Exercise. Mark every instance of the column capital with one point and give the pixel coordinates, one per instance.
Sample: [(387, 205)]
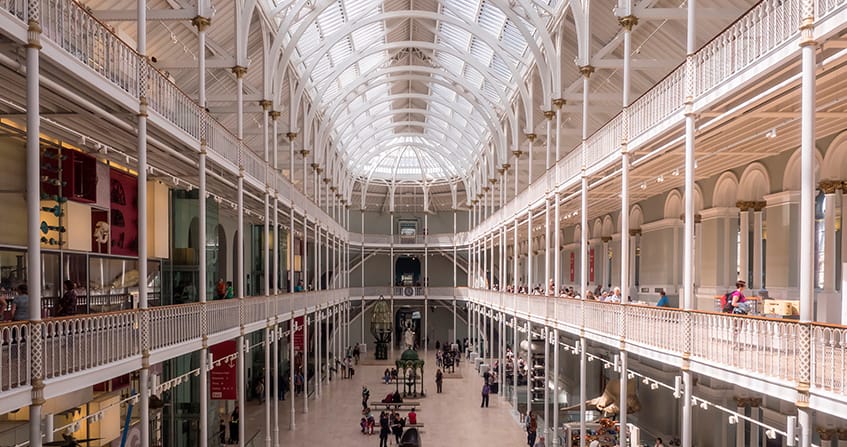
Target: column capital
[(275, 114), (517, 153), (493, 180), (201, 23), (326, 179), (586, 70), (505, 166), (315, 166), (549, 114), (265, 104), (628, 22), (486, 188), (744, 205), (635, 232), (291, 136), (304, 152), (842, 434), (239, 71), (759, 206), (559, 102), (826, 434), (531, 137), (830, 186)]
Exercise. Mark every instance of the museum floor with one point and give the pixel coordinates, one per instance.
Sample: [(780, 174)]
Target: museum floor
[(452, 418)]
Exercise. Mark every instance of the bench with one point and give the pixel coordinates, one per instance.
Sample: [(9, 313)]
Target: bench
[(395, 406)]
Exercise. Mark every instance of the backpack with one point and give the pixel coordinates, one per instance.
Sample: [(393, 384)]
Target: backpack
[(727, 299)]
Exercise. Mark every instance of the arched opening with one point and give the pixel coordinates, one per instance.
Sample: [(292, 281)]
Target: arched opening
[(407, 271)]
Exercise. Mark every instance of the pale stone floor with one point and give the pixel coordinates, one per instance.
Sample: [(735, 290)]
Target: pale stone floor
[(452, 418)]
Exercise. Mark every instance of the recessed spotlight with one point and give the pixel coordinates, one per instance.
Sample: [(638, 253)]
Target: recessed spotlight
[(660, 179), (643, 185)]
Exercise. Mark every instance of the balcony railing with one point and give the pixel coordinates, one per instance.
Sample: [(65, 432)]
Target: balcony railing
[(760, 347), (75, 344)]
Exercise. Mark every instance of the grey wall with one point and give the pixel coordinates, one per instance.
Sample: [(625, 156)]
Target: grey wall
[(380, 223)]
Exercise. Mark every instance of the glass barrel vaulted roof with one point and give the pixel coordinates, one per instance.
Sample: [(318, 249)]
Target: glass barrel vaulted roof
[(411, 89)]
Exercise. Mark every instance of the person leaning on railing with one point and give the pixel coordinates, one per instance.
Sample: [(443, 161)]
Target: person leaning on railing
[(736, 302)]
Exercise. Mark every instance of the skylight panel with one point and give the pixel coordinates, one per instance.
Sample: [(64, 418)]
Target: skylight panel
[(339, 52), (481, 51), (359, 8), (454, 36), (372, 62), (346, 78), (310, 41), (368, 35), (321, 70), (491, 19), (463, 8), (499, 66), (474, 77), (330, 21)]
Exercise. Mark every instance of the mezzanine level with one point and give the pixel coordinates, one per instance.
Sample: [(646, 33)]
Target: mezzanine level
[(759, 354), (81, 351)]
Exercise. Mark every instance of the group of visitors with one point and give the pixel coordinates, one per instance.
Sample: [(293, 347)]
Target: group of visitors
[(224, 290)]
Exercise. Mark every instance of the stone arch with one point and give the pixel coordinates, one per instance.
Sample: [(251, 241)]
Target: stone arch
[(791, 176), (834, 165), (598, 228), (726, 191), (608, 226), (673, 205), (636, 217), (755, 183)]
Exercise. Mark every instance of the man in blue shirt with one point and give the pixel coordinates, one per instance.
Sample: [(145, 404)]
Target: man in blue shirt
[(663, 300)]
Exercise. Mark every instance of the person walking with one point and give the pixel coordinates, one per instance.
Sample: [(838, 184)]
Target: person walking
[(531, 428), (486, 390), (439, 378), (384, 429), (233, 426), (366, 395)]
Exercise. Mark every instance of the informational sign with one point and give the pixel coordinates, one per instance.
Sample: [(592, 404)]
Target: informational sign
[(591, 265), (223, 377), (573, 266), (299, 335)]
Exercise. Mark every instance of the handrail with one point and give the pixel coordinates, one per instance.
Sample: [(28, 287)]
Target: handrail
[(75, 344), (770, 346)]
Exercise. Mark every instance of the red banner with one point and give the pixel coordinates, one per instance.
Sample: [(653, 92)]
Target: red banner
[(299, 335), (573, 266), (223, 377), (591, 265)]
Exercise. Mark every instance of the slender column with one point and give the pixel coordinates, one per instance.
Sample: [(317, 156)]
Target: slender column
[(240, 383), (318, 358), (391, 279), (455, 282), (758, 247), (33, 188), (277, 375), (305, 363), (204, 352), (555, 380), (529, 277), (528, 366), (583, 391), (741, 408), (583, 209), (292, 325), (546, 385), (808, 47), (547, 251), (268, 377), (144, 374), (517, 355), (304, 258), (755, 414), (515, 255), (744, 239), (688, 233), (517, 153), (530, 138), (829, 189), (426, 287), (557, 243), (549, 114)]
